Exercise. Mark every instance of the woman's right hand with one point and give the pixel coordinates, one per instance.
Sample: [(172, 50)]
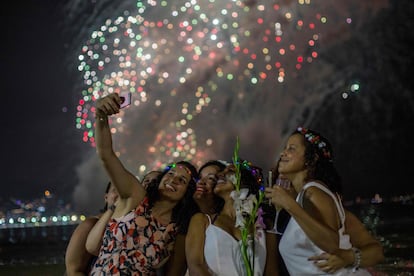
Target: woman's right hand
[(108, 105), (279, 196)]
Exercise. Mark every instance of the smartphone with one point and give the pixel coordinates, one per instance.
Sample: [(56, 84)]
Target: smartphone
[(126, 98)]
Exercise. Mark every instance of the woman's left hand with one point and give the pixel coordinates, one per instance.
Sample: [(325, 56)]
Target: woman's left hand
[(327, 262)]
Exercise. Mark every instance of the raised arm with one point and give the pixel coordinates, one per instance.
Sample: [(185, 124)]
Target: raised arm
[(94, 239), (130, 190)]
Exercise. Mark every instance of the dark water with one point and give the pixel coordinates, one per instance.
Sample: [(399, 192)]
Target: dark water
[(34, 250), (393, 225), (41, 250)]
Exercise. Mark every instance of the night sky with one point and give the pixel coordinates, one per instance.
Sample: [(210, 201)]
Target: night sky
[(39, 142), (370, 128)]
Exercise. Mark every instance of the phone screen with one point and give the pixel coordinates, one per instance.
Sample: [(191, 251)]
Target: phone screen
[(126, 97)]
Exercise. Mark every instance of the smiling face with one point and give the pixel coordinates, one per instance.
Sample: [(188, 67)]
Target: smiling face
[(175, 182), (226, 180), (292, 159), (207, 182)]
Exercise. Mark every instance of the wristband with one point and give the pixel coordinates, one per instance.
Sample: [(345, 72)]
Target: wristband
[(357, 259), (101, 118)]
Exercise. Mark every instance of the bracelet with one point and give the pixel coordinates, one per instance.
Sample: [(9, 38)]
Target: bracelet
[(357, 259), (102, 119)]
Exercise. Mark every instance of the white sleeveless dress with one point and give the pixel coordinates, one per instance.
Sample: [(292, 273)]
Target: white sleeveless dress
[(223, 255), (295, 247)]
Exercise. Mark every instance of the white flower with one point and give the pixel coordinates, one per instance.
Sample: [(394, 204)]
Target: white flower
[(232, 178), (243, 193), (239, 195), (248, 204), (243, 205)]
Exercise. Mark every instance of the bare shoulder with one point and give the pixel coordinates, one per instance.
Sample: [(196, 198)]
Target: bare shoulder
[(199, 220), (315, 195), (199, 217), (317, 201), (322, 206)]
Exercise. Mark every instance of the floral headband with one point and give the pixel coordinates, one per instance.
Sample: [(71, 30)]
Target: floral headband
[(254, 171), (317, 141), (175, 165)]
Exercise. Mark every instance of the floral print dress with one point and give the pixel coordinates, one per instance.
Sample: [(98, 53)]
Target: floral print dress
[(134, 244)]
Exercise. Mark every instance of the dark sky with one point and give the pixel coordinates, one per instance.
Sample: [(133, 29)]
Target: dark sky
[(38, 137), (42, 149)]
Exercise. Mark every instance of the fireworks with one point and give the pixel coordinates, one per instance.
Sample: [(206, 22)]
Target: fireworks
[(188, 61)]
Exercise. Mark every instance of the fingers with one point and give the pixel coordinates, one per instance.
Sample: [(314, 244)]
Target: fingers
[(268, 193), (322, 256), (109, 105), (273, 193), (315, 258), (321, 263), (325, 262), (328, 269)]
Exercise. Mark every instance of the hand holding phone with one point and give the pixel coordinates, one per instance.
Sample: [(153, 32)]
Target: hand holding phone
[(126, 98)]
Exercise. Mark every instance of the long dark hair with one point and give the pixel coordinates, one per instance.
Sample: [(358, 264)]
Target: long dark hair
[(251, 176), (186, 207)]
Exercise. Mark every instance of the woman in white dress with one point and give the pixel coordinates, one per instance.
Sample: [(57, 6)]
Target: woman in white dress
[(317, 223), (213, 242)]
